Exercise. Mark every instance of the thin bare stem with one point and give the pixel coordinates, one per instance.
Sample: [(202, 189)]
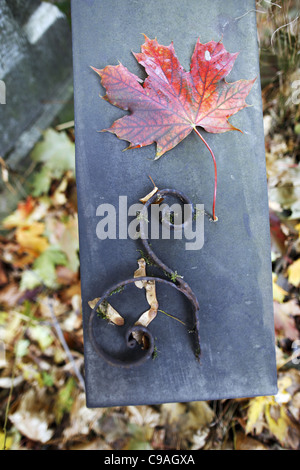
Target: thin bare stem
[(216, 177), (8, 405), (64, 344), (283, 26), (172, 316)]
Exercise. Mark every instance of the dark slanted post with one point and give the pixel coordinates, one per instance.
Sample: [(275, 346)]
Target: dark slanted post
[(174, 231)]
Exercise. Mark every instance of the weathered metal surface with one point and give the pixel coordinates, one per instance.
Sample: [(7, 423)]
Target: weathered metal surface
[(231, 274)]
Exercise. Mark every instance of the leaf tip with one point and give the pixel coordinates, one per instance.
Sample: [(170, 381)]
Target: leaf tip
[(145, 37), (98, 71)]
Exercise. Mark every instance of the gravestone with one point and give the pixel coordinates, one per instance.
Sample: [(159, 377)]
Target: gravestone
[(231, 274), (35, 73)]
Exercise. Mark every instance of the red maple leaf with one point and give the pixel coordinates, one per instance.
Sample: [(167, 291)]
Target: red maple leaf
[(171, 102)]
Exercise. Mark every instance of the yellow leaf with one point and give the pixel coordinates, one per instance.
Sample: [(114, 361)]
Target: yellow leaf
[(278, 427), (294, 273), (29, 211), (278, 293), (8, 442), (30, 237), (20, 215), (255, 414)]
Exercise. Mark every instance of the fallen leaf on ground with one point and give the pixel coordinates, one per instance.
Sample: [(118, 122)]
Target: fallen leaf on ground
[(279, 294), (255, 416), (143, 416), (31, 237), (272, 413), (3, 275), (44, 269), (42, 334), (57, 153), (82, 418), (248, 443), (278, 422), (29, 211), (32, 418), (294, 273), (20, 215), (191, 420), (65, 400), (64, 234), (10, 295), (284, 321)]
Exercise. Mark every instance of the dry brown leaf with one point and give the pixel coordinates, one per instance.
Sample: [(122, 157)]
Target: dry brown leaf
[(32, 418), (17, 256), (81, 418), (95, 444), (66, 295), (47, 305), (284, 322), (31, 237), (248, 443), (199, 438), (59, 196), (143, 416), (3, 275), (65, 276), (294, 407), (188, 419), (10, 295)]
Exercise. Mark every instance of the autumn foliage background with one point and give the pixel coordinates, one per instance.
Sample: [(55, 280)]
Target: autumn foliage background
[(42, 400)]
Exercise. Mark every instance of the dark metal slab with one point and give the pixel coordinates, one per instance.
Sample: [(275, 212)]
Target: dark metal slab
[(231, 274)]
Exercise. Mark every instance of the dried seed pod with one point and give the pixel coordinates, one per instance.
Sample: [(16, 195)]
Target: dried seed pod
[(108, 312)]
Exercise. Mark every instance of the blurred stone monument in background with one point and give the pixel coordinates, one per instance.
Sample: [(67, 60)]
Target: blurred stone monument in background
[(35, 74)]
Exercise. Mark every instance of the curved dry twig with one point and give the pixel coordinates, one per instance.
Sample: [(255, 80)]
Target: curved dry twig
[(179, 284)]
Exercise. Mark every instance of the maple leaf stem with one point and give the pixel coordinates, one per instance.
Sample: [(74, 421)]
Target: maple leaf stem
[(216, 176)]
